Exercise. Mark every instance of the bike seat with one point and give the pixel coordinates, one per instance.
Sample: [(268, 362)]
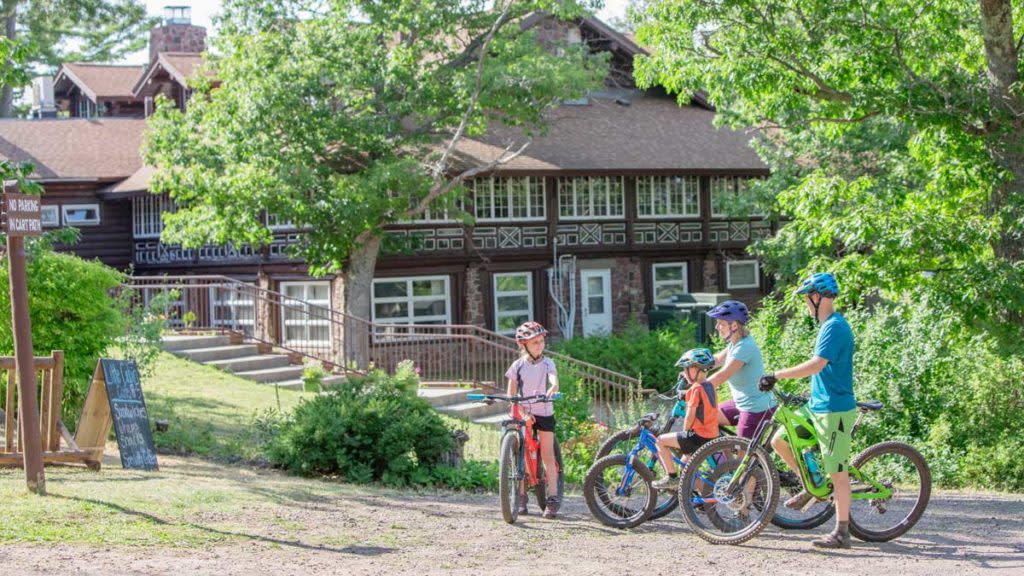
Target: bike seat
[(648, 418), (870, 405)]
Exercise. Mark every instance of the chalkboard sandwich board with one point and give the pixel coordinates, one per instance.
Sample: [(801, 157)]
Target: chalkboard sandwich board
[(115, 396)]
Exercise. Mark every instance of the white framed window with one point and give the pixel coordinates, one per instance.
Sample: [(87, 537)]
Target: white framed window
[(669, 279), (81, 214), (667, 196), (730, 194), (412, 300), (50, 216), (305, 313), (513, 301), (234, 308), (591, 197), (498, 198), (147, 214), (742, 274)]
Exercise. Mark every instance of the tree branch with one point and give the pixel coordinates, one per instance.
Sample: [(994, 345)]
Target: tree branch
[(440, 190), (439, 168)]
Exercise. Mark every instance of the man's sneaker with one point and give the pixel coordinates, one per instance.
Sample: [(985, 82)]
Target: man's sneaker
[(833, 539), (800, 501), (551, 510), (523, 510), (666, 483)]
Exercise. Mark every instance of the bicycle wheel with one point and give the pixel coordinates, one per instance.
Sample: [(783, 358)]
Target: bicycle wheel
[(790, 519), (900, 468), (712, 512), (618, 495), (541, 489), (621, 443), (509, 476)]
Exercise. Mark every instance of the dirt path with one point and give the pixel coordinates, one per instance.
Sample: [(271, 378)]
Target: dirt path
[(308, 527)]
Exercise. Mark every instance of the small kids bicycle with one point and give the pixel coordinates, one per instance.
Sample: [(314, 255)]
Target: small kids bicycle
[(890, 481), (519, 460)]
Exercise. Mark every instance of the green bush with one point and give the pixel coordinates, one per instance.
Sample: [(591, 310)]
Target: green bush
[(958, 398), (649, 355), (71, 310), (374, 428)]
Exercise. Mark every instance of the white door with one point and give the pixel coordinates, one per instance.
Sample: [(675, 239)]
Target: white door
[(597, 301)]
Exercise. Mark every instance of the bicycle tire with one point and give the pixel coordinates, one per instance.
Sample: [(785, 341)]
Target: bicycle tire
[(541, 489), (667, 499), (508, 472), (916, 512), (687, 478), (594, 490)]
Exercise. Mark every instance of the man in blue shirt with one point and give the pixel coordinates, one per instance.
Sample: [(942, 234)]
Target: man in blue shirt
[(832, 408)]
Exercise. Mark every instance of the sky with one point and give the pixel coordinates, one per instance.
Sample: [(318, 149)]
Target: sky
[(203, 12)]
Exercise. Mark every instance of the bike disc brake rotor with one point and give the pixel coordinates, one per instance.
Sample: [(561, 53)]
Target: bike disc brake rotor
[(733, 503)]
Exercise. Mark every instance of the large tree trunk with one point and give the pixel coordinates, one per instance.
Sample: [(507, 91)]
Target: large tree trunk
[(357, 280), (1006, 143), (7, 97)]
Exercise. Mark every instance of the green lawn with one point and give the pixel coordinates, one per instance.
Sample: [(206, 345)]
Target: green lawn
[(211, 413)]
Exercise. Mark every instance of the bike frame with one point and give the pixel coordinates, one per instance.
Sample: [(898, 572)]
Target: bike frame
[(791, 420)]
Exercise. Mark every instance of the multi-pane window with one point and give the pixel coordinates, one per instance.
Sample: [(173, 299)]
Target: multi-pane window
[(275, 222), (305, 313), (513, 301), (147, 211), (742, 274), (667, 196), (81, 214), (415, 300), (730, 195), (670, 279), (591, 197), (234, 308), (498, 198)]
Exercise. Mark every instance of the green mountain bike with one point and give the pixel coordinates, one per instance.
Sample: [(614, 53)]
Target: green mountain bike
[(890, 481)]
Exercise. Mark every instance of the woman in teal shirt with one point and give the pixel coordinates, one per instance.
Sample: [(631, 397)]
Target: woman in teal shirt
[(742, 366)]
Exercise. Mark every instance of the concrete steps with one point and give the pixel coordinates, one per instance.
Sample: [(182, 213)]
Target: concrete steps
[(246, 361), (454, 402), (243, 360)]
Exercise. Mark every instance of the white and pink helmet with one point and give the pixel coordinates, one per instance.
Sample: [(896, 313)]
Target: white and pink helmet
[(528, 331)]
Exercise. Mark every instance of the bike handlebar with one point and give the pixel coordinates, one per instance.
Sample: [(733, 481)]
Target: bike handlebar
[(791, 399), (514, 399)]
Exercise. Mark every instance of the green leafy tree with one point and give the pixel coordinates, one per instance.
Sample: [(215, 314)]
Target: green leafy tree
[(56, 31), (345, 117), (895, 131)]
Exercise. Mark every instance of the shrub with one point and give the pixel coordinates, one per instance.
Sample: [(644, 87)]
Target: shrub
[(374, 428), (649, 355), (71, 310)]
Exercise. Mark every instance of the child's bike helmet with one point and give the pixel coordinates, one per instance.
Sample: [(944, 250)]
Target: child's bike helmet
[(700, 357), (528, 331)]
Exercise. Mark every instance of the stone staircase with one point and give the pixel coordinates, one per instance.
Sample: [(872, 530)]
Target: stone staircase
[(242, 360), (247, 361)]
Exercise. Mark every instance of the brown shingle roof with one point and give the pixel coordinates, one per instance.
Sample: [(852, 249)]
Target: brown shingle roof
[(181, 66), (652, 133), (137, 182), (100, 80), (80, 149)]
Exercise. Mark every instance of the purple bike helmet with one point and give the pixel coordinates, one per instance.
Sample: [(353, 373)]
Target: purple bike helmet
[(731, 310)]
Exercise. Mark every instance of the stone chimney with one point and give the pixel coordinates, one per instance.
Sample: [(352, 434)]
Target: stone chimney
[(176, 34)]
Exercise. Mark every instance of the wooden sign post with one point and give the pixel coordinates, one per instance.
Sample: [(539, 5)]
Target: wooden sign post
[(21, 216)]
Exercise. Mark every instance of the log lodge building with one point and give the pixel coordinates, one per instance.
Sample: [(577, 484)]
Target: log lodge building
[(632, 184)]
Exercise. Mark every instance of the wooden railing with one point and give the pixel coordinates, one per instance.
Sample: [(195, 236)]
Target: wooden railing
[(50, 374), (441, 353)]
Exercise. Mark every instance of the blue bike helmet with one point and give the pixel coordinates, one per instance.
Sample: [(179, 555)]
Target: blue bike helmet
[(700, 357), (731, 310), (821, 283)]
